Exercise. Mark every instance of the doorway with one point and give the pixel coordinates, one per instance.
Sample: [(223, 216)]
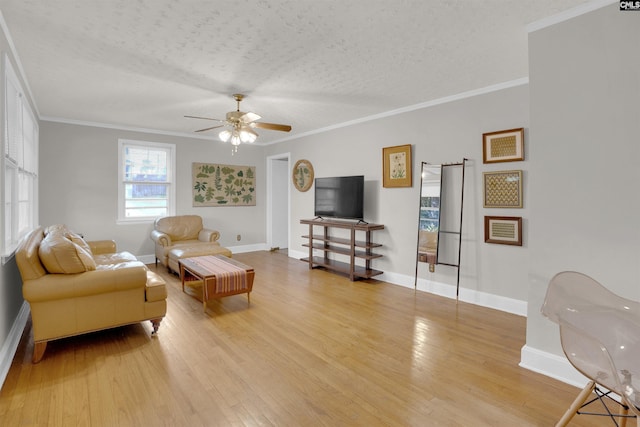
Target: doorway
[(278, 201)]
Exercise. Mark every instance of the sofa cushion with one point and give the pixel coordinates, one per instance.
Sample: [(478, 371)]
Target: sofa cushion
[(56, 229), (27, 256), (114, 258), (59, 254), (78, 240)]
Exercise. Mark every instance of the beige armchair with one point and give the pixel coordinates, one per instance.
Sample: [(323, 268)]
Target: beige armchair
[(74, 287), (183, 235)]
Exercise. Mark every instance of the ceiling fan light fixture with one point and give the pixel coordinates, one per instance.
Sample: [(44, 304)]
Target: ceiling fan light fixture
[(247, 135), (225, 135), (241, 126)]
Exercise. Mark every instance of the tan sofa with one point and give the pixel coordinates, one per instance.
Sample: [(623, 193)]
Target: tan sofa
[(74, 287), (182, 236)]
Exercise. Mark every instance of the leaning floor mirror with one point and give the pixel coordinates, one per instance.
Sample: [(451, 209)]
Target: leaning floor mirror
[(440, 216)]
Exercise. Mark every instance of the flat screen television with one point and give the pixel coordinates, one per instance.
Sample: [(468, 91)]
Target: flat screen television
[(340, 197)]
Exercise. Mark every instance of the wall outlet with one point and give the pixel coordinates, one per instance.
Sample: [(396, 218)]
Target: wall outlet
[(238, 237)]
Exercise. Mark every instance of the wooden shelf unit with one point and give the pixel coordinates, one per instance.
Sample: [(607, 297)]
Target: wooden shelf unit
[(350, 247)]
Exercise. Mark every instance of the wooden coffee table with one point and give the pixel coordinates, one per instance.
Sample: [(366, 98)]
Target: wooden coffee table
[(235, 277)]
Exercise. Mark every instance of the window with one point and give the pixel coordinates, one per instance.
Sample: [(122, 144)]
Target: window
[(146, 187), (20, 166)]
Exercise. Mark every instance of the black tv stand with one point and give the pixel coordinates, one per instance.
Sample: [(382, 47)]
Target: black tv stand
[(343, 246)]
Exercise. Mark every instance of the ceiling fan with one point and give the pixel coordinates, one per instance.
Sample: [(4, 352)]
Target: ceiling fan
[(241, 125)]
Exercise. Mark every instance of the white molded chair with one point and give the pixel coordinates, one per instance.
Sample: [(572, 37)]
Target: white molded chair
[(600, 335)]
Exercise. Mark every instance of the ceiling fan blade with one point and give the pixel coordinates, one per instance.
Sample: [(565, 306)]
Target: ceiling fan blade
[(204, 118), (212, 127), (271, 126), (249, 117)]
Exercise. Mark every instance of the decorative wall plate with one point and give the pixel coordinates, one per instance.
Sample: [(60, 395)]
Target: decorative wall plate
[(302, 175)]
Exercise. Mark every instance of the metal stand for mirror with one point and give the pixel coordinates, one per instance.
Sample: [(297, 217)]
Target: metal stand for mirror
[(457, 232)]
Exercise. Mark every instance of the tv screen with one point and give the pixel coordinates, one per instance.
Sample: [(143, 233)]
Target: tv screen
[(340, 197)]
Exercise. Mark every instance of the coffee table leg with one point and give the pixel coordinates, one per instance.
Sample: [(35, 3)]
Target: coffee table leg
[(204, 295), (182, 276), (248, 298)]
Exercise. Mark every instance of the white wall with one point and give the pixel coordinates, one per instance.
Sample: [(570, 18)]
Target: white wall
[(585, 99), (442, 133), (78, 185)]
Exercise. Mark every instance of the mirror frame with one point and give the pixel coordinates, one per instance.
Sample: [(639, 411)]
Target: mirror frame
[(426, 256)]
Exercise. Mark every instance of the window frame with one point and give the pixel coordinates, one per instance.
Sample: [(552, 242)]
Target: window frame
[(19, 167), (170, 182)]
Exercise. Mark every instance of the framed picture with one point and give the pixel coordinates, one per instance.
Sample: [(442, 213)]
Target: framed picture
[(503, 146), (506, 230), (302, 175), (503, 189), (223, 185), (396, 166)]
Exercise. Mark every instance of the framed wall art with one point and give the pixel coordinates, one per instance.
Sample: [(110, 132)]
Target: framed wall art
[(223, 185), (302, 175), (503, 189), (503, 146), (505, 230), (396, 166)]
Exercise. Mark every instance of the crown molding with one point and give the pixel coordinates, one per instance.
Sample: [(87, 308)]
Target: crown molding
[(568, 14), (427, 104)]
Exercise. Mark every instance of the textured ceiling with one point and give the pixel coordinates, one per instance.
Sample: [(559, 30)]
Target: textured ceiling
[(310, 64)]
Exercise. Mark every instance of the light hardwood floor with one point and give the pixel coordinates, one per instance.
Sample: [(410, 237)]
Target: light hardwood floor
[(313, 349)]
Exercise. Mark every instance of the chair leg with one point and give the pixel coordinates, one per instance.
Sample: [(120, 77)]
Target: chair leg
[(577, 403), (624, 413), (156, 326), (38, 351)]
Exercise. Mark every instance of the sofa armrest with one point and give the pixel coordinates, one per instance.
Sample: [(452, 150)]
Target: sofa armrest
[(129, 275), (207, 235), (161, 238), (99, 247)]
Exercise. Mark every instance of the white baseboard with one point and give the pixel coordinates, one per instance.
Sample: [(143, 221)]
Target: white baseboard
[(551, 365), (297, 254), (248, 248), (470, 296), (482, 299), (497, 302), (8, 350)]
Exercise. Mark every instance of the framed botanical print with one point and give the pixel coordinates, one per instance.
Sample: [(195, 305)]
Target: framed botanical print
[(396, 166), (223, 185)]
